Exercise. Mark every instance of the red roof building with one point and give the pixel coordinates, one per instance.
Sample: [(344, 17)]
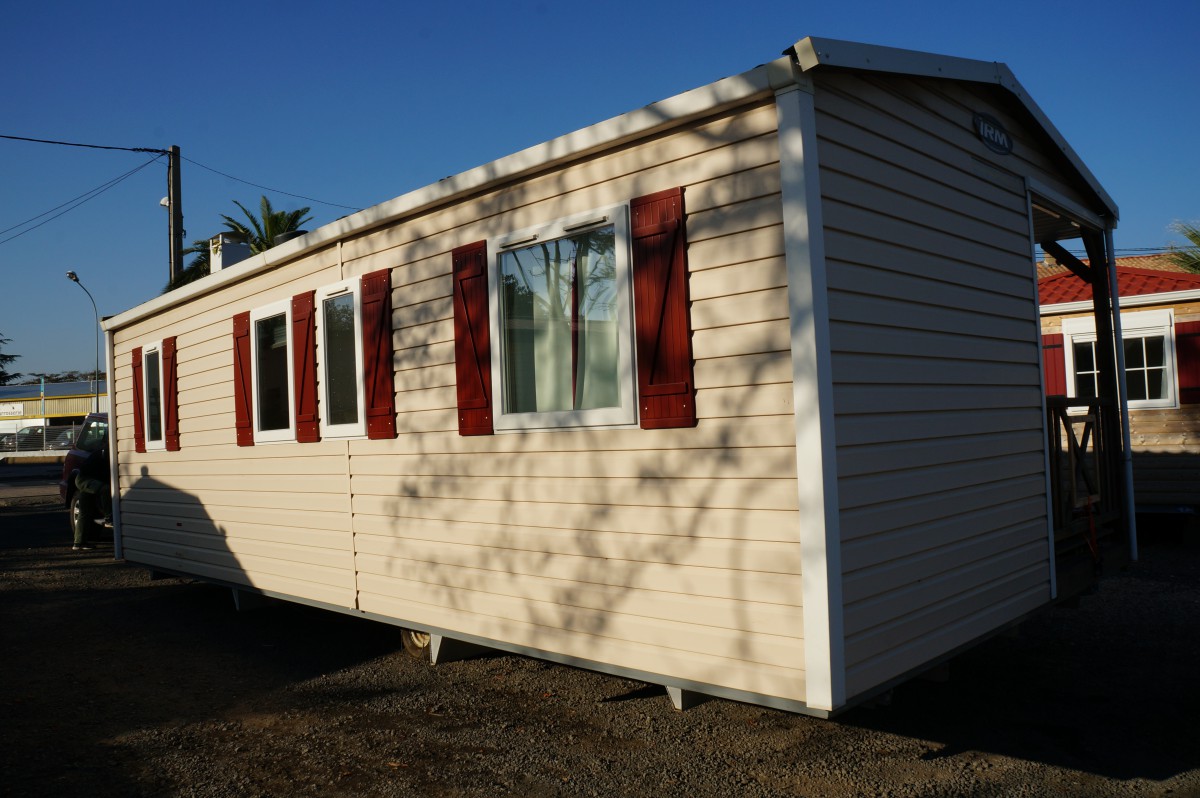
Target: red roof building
[(1160, 319), (1131, 281)]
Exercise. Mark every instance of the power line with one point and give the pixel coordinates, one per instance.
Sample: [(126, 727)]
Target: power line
[(160, 152), (88, 146), (268, 188), (75, 203), (68, 202), (189, 160)]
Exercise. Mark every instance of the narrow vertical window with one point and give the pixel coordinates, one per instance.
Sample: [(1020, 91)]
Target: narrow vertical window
[(341, 387), (270, 348), (151, 409), (153, 372), (1085, 369), (270, 341), (339, 325)]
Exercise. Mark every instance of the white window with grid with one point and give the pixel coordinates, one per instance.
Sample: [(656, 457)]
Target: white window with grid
[(1149, 348)]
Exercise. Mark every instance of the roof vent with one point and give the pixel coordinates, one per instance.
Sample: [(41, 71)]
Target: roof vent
[(226, 249)]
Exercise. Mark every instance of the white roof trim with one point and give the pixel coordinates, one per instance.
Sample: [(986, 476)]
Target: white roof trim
[(814, 52), (1136, 301), (671, 112), (1048, 195), (730, 92)]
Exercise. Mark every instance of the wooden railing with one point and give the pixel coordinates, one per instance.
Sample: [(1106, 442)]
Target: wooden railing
[(1084, 486)]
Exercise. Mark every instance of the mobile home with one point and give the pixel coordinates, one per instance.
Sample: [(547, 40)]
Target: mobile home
[(740, 393)]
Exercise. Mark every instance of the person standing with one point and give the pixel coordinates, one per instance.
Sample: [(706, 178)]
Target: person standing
[(95, 502)]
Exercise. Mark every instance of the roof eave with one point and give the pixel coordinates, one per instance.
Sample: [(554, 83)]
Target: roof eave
[(1130, 301), (815, 52), (674, 111)]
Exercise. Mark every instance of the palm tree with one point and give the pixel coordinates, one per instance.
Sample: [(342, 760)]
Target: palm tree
[(199, 267), (267, 226), (262, 234), (1188, 257)]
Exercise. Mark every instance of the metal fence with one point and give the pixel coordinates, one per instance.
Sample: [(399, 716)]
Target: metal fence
[(39, 439)]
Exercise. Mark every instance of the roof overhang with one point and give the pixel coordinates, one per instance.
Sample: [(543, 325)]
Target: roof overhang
[(758, 83), (814, 53), (1134, 301)]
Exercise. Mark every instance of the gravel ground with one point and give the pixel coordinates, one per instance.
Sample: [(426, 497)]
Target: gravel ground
[(112, 684)]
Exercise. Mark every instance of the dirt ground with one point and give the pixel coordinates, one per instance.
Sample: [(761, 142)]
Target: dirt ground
[(112, 684)]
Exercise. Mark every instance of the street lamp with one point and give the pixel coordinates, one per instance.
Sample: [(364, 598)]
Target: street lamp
[(73, 277)]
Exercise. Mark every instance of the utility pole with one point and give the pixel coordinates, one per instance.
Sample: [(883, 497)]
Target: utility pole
[(175, 200)]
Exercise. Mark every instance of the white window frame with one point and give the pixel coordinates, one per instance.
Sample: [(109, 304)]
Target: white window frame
[(358, 429), (625, 415), (266, 311), (1146, 324), (155, 347)]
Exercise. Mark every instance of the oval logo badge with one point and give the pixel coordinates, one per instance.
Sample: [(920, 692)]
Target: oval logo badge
[(992, 134)]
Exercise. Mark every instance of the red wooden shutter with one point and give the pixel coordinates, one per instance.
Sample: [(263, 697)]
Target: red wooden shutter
[(243, 411), (379, 373), (1187, 361), (304, 368), (1054, 364), (139, 403), (666, 388), (472, 340), (170, 389)]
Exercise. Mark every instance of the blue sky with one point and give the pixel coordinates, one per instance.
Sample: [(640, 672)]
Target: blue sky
[(359, 102)]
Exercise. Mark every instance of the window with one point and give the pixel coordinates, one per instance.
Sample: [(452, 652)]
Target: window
[(1148, 340), (93, 435), (152, 409), (271, 359), (561, 302), (155, 397), (319, 364), (562, 321), (340, 359), (1146, 368)]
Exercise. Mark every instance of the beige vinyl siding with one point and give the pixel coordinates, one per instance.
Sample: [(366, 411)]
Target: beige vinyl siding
[(937, 399), (272, 517), (663, 551)]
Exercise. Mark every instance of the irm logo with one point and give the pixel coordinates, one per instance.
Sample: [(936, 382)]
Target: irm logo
[(992, 134)]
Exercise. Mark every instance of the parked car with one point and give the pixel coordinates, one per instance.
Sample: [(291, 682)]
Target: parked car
[(93, 435), (65, 439), (35, 438)]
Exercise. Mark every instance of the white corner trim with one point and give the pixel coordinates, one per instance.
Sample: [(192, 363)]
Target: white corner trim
[(812, 396), (1052, 559), (114, 474)]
